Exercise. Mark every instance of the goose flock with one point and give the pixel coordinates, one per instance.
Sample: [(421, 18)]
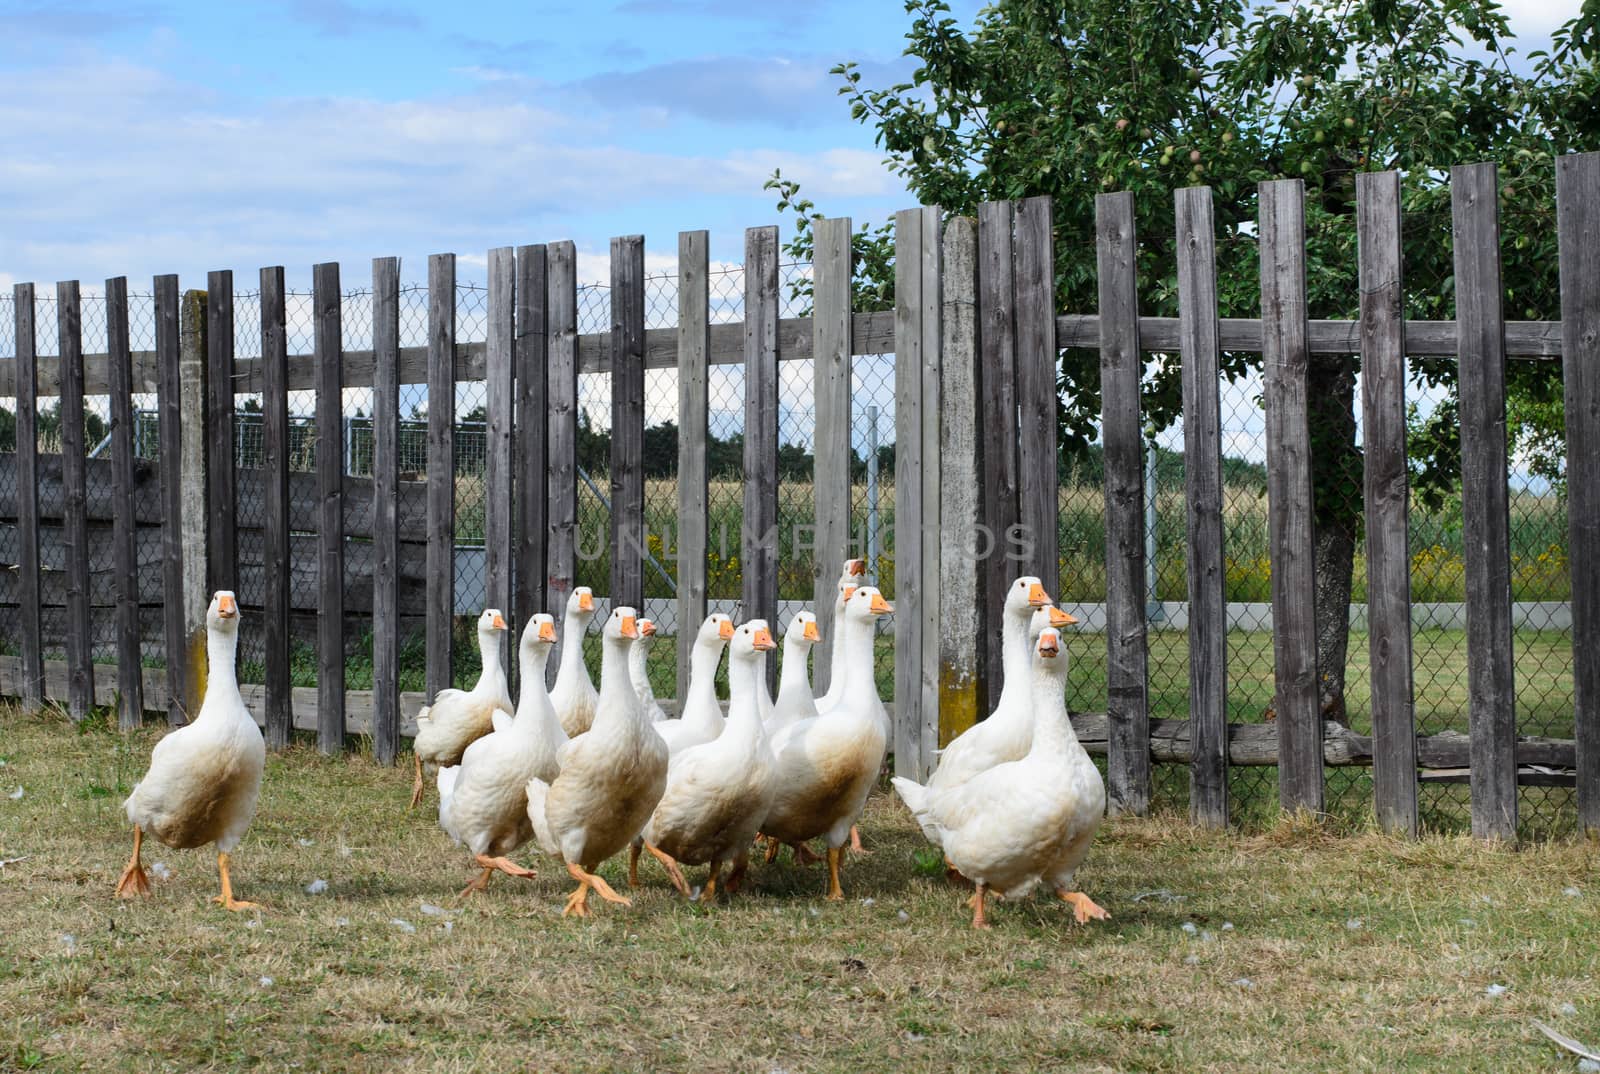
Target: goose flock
[(586, 772)]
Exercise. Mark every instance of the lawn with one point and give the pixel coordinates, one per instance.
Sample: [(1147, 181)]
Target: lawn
[(1293, 948)]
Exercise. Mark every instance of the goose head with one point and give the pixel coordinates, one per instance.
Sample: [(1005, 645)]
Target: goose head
[(802, 630), (716, 631), (540, 631), (647, 634), (751, 640), (580, 605), (490, 623), (622, 625), (1026, 595), (222, 614), (866, 604), (1050, 656), (1048, 616)]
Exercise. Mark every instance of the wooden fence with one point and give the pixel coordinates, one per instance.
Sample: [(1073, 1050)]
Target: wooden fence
[(976, 338)]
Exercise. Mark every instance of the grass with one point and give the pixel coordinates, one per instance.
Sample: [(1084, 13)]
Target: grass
[(1346, 949)]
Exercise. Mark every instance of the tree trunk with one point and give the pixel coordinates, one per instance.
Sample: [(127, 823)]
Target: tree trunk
[(1336, 512)]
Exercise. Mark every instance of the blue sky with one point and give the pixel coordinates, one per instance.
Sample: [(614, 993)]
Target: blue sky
[(145, 137)]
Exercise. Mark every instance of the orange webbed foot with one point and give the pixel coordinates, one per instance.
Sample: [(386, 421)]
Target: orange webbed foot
[(1084, 909), (133, 883)]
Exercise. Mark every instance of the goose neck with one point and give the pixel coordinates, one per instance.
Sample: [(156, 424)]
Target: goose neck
[(744, 717), (1052, 728), (531, 665), (221, 656)]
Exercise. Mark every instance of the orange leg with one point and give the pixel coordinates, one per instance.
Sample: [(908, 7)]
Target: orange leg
[(633, 862), (772, 849), (578, 903), (709, 892), (1084, 909), (133, 881), (803, 854), (736, 877), (979, 897), (855, 841), (835, 892), (479, 882), (490, 866), (226, 899), (674, 873), (416, 786)]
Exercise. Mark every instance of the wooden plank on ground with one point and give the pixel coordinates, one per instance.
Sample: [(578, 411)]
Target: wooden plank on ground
[(1485, 500), (961, 695), (1386, 495), (385, 509), (130, 698), (329, 340), (1127, 670), (532, 436), (1285, 358), (831, 376), (1578, 223), (627, 421), (441, 468), (194, 372), (694, 342), (1202, 449), (563, 411), (1037, 359), (170, 404), (997, 388), (498, 370), (909, 285), (80, 655), (760, 537), (222, 550), (31, 673), (278, 716)]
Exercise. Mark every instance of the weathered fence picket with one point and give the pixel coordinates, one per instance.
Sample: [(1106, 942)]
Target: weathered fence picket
[(759, 541), (279, 715), (1203, 494), (75, 514), (997, 388), (499, 362), (627, 421), (130, 678), (385, 509), (832, 373), (532, 435), (222, 541), (31, 678), (563, 410), (328, 338), (441, 470), (170, 403), (694, 342), (1037, 359), (1383, 410), (1578, 220)]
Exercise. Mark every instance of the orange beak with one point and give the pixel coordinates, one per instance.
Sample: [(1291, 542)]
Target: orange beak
[(1037, 597), (881, 606), (1048, 648), (227, 607), (849, 591), (547, 632), (630, 628), (586, 602), (499, 622), (810, 632), (1060, 618), (764, 640), (725, 630), (647, 628), (856, 567)]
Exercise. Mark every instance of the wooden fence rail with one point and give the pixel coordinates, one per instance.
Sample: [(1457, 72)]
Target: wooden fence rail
[(975, 337)]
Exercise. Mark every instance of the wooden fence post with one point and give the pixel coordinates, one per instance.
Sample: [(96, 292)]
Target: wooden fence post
[(563, 410), (32, 673), (532, 443), (275, 548), (124, 527), (832, 373), (441, 469), (329, 347), (385, 509), (169, 394), (80, 642), (1202, 448), (1038, 483), (760, 537), (1285, 354), (1485, 500), (1386, 493), (694, 345), (916, 331), (1127, 671), (222, 547), (627, 422), (958, 666), (1578, 220), (195, 490), (499, 361), (997, 388)]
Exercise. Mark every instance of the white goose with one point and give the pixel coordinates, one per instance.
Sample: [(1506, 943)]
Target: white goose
[(850, 577), (1029, 820), (610, 780), (458, 718), (795, 700), (573, 694), (483, 801), (719, 791), (204, 779), (700, 719), (1008, 732), (826, 765), (639, 673)]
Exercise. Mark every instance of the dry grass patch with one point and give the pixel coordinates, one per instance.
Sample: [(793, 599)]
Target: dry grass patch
[(1292, 949)]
